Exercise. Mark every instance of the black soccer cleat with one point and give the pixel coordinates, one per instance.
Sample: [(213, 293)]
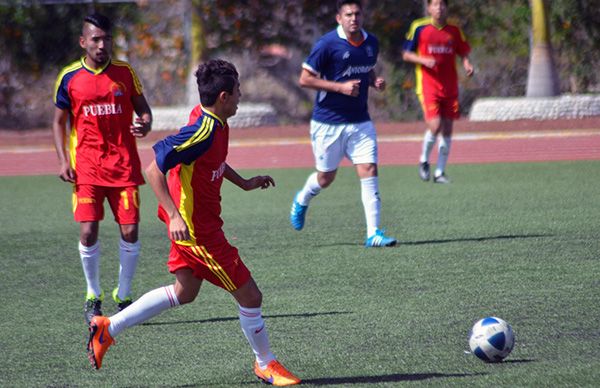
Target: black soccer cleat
[(92, 308), (441, 179), (424, 171)]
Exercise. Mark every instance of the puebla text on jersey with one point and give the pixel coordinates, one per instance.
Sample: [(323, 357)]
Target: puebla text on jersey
[(334, 58), (442, 44), (195, 159), (102, 149)]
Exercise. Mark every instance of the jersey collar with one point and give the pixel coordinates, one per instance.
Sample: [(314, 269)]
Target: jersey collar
[(211, 114), (438, 26), (95, 71), (342, 34)]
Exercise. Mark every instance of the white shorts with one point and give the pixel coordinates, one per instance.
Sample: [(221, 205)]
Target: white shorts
[(330, 143)]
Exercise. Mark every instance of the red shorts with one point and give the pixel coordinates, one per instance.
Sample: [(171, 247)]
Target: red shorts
[(435, 106), (219, 263), (88, 203)]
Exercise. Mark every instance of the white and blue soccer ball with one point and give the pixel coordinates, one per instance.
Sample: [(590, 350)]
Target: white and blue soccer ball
[(491, 339)]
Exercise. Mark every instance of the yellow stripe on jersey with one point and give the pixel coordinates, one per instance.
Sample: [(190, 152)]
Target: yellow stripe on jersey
[(201, 134), (410, 35), (73, 141), (136, 80), (186, 208), (67, 69), (215, 267)]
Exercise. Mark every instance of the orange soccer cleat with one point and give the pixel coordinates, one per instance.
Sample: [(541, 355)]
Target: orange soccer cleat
[(275, 374), (99, 341)]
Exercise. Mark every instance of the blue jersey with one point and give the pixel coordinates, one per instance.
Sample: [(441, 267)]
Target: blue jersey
[(335, 59)]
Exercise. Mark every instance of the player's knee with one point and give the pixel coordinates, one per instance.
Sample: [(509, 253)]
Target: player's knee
[(129, 233), (186, 297), (326, 179)]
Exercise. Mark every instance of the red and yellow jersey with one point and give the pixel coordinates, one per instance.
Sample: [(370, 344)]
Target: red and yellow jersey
[(443, 44), (103, 151), (195, 161)]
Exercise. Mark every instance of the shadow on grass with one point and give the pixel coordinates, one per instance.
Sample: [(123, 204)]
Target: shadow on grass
[(392, 378), (226, 319), (446, 241), (521, 361), (476, 239)]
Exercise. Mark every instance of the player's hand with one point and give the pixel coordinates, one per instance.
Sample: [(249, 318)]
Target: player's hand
[(469, 69), (67, 174), (379, 84), (350, 88), (140, 128), (178, 230), (428, 62), (262, 181)]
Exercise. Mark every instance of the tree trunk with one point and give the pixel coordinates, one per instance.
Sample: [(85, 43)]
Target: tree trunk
[(542, 80)]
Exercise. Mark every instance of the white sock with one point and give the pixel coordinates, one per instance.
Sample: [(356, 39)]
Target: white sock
[(149, 305), (371, 203), (428, 142), (444, 152), (309, 191), (90, 261), (253, 326), (128, 256)]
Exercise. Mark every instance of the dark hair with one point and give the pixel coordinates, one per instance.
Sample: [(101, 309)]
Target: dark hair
[(99, 21), (445, 1), (341, 3), (213, 77)]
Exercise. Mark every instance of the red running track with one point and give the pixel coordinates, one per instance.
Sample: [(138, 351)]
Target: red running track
[(484, 147)]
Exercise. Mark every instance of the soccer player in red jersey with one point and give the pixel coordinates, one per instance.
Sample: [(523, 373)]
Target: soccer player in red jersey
[(97, 96), (433, 44), (190, 205)]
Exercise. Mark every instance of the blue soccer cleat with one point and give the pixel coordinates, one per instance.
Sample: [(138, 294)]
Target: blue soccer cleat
[(380, 240), (297, 214)]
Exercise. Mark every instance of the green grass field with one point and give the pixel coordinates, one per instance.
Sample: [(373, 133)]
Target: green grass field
[(519, 241)]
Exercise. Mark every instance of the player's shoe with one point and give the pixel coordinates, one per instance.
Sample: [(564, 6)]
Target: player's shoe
[(92, 307), (379, 239), (441, 179), (121, 303), (99, 341), (297, 214), (424, 171), (275, 374)]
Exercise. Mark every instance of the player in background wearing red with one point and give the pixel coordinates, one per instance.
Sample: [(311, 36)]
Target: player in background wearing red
[(190, 205), (97, 96), (433, 44)]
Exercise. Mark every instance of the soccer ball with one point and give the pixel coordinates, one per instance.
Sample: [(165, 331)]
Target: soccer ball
[(491, 339)]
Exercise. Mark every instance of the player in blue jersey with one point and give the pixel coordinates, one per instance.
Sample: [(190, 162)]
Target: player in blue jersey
[(341, 68)]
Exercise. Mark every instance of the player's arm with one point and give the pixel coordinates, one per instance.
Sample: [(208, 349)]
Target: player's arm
[(178, 229), (143, 123), (59, 130), (312, 81), (262, 181), (411, 56)]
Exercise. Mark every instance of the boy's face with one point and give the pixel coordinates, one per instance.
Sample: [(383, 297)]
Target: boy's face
[(350, 18), (97, 44), (232, 101), (438, 10)]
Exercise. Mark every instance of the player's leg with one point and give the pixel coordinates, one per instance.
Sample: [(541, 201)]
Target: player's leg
[(124, 203), (88, 210), (103, 330), (443, 151), (266, 366), (361, 149), (328, 152), (449, 112), (431, 112)]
